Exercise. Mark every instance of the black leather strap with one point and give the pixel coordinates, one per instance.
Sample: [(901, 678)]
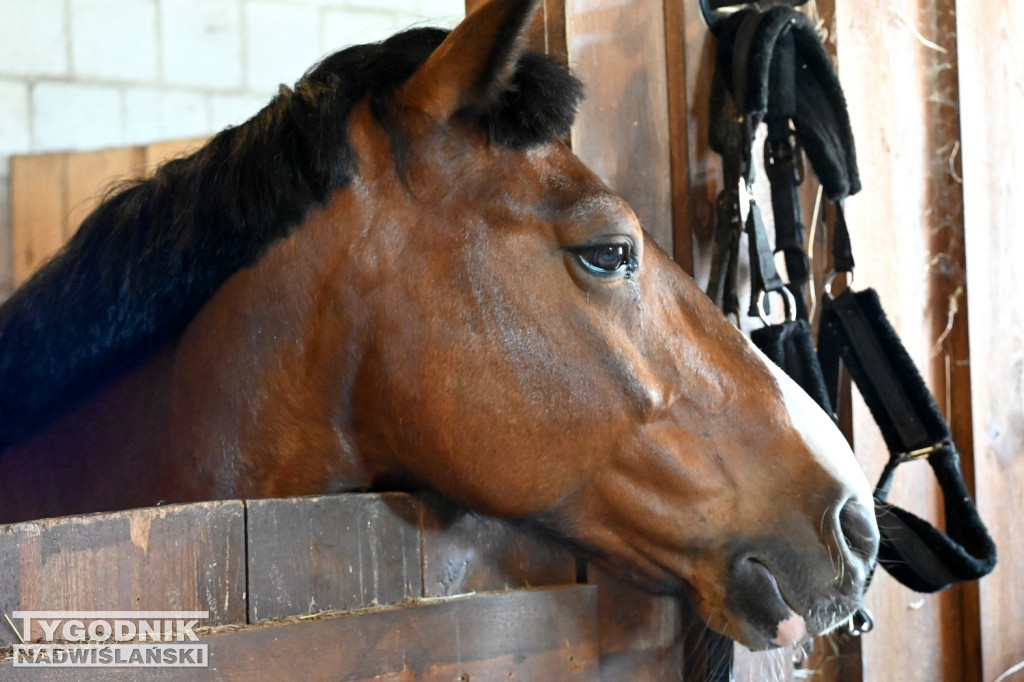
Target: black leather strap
[(912, 550)]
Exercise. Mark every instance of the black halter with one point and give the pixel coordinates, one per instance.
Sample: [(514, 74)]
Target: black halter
[(771, 67)]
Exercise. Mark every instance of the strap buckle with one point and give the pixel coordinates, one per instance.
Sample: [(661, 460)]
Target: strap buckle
[(920, 453)]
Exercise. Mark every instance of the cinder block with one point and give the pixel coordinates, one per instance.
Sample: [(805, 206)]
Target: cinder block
[(33, 39), (14, 118), (403, 7), (114, 39), (202, 43), (451, 11), (151, 115), (282, 41), (230, 110), (69, 116), (342, 28)]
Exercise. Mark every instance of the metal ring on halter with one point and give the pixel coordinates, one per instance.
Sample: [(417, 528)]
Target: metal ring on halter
[(787, 295), (831, 277), (860, 621)]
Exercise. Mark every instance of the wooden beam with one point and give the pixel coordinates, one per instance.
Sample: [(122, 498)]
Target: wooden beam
[(309, 554), (992, 152), (622, 130), (465, 553), (174, 558), (524, 635)]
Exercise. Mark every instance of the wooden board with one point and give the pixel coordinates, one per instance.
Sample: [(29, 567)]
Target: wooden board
[(622, 131), (465, 553), (905, 225), (991, 101), (90, 175), (309, 554), (52, 193), (173, 558), (640, 635), (524, 635), (38, 210)]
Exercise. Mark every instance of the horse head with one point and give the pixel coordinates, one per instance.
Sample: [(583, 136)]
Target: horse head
[(535, 355), (418, 282)]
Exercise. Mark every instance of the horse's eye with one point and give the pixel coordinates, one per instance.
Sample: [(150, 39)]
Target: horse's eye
[(605, 259)]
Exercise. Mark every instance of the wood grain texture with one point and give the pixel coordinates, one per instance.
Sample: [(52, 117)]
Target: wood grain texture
[(992, 103), (90, 175), (617, 49), (544, 635), (38, 210), (179, 557), (903, 112), (309, 554), (640, 635), (465, 553)]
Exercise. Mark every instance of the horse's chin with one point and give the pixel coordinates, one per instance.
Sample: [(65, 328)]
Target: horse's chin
[(761, 611)]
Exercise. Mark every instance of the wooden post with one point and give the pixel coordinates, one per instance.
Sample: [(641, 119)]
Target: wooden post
[(991, 62)]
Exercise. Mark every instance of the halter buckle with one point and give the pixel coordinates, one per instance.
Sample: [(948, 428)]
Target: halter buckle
[(920, 453)]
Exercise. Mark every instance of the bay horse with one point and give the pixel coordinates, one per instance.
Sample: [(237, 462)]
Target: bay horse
[(397, 275)]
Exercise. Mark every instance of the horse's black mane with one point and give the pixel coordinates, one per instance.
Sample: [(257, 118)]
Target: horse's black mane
[(145, 261)]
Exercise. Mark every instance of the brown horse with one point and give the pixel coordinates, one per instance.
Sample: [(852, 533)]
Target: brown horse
[(396, 274)]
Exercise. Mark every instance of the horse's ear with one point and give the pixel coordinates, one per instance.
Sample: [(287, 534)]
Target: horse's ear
[(473, 65)]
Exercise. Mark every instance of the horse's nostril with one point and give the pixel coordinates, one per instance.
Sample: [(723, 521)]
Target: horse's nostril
[(857, 525)]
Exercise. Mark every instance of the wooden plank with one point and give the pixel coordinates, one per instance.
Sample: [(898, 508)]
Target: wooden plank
[(310, 554), (38, 210), (903, 110), (464, 553), (640, 635), (991, 63), (677, 56), (159, 152), (695, 189), (91, 174), (524, 635), (178, 557), (622, 131)]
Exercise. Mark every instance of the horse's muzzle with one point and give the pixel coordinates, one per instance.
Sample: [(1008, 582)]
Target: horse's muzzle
[(783, 589)]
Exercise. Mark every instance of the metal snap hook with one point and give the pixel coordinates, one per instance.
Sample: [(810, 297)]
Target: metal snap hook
[(790, 305)]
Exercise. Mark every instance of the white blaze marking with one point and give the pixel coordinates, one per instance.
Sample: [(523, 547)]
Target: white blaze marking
[(823, 437)]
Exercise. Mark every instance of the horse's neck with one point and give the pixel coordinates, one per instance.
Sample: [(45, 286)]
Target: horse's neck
[(253, 400), (268, 369), (105, 454)]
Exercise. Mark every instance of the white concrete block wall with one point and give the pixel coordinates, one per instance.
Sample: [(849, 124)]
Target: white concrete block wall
[(88, 74)]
